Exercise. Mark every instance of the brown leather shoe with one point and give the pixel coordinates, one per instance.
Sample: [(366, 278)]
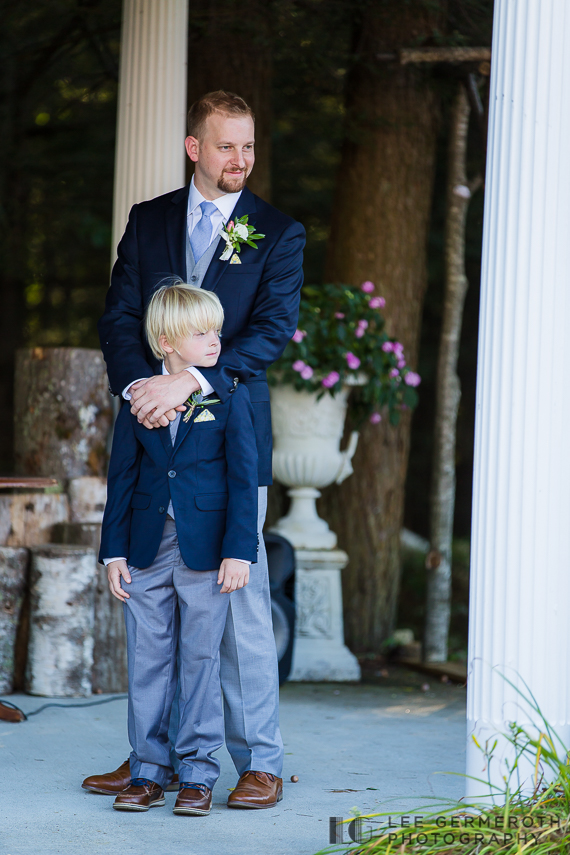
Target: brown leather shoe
[(193, 800), (113, 783), (141, 795), (256, 790)]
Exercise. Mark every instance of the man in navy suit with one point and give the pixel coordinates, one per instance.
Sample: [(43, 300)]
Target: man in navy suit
[(182, 510), (178, 234)]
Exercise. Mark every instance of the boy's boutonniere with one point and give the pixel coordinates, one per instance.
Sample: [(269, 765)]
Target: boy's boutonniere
[(234, 235), (198, 400)]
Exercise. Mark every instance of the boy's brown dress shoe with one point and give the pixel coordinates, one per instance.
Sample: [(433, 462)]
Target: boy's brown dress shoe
[(193, 800), (256, 790), (141, 795), (113, 783)]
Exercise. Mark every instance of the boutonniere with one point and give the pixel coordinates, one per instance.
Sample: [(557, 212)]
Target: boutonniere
[(198, 400), (234, 235)]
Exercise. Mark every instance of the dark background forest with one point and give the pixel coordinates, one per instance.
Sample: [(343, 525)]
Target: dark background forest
[(304, 65)]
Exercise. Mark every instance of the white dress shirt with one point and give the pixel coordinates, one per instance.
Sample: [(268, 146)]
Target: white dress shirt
[(225, 205), (107, 561)]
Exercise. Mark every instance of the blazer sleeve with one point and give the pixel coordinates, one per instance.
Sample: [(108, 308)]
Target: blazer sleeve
[(240, 539), (120, 328), (273, 319), (123, 475)]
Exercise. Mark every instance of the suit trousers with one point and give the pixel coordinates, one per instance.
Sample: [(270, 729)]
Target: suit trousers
[(175, 612), (249, 672)]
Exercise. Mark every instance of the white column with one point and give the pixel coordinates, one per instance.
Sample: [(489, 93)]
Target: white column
[(151, 122), (520, 569)]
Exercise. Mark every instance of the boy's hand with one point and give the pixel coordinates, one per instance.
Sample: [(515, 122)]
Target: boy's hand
[(234, 575), (115, 571)]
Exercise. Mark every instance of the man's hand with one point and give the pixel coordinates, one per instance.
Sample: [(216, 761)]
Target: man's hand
[(156, 401), (234, 575), (116, 571)]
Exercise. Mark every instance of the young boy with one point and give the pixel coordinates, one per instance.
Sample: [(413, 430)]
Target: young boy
[(182, 510)]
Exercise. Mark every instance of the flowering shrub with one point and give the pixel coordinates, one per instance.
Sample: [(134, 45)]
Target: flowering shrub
[(341, 339)]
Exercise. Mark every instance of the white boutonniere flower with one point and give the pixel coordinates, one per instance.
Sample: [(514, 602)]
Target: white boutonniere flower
[(234, 235)]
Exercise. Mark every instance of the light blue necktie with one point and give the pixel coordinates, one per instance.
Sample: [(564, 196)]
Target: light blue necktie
[(200, 239)]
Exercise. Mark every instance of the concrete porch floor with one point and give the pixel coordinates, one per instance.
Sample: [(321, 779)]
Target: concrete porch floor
[(382, 743)]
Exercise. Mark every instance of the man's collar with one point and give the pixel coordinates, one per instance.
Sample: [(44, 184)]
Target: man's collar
[(225, 204)]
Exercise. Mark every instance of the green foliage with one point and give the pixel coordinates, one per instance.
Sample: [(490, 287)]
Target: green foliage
[(341, 339)]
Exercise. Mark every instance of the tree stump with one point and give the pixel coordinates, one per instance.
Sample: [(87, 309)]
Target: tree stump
[(109, 637), (62, 589), (87, 497), (13, 571), (62, 412), (26, 518)]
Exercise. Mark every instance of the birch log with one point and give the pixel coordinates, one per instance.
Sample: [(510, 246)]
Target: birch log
[(60, 654), (13, 571), (62, 412), (448, 394), (109, 636)]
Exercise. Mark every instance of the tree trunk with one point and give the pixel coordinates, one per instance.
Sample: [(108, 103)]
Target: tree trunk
[(62, 412), (229, 48), (13, 571), (448, 391), (379, 232), (60, 655)]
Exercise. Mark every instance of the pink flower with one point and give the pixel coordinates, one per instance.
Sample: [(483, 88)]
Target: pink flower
[(398, 349), (307, 372), (393, 373), (330, 380), (375, 418), (298, 336), (359, 332), (387, 347), (339, 315), (352, 360), (377, 302), (298, 365), (412, 379), (367, 287), (401, 363), (230, 226), (363, 323)]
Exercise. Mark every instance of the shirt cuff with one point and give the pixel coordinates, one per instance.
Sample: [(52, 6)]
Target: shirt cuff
[(241, 560), (206, 387), (107, 561), (126, 394)]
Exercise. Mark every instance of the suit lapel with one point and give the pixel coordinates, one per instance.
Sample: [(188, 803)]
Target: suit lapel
[(245, 205), (176, 226)]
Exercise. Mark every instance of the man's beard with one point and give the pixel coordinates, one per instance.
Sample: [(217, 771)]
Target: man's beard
[(232, 185)]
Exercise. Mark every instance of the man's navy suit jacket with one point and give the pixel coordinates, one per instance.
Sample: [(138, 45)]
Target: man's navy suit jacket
[(210, 474), (260, 297)]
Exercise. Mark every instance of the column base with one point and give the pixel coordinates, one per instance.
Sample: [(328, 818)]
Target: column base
[(322, 661)]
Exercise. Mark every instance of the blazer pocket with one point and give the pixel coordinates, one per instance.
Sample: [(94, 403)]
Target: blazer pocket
[(212, 501), (140, 501), (243, 268)]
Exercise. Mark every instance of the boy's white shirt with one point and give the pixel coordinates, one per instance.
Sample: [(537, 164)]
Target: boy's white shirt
[(225, 205), (107, 561)]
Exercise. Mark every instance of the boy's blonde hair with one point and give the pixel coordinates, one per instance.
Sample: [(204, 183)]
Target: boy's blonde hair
[(175, 311)]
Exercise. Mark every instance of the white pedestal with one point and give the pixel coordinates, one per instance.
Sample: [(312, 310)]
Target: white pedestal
[(320, 653)]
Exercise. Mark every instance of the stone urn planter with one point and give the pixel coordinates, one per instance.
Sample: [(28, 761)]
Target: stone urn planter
[(307, 434), (306, 456)]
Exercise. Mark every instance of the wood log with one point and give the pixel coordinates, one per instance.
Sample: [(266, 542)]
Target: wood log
[(62, 619), (26, 518), (62, 412), (109, 637), (87, 497), (13, 572)]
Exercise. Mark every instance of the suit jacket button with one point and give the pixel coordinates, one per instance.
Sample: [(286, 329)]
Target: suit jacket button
[(172, 473), (161, 510), (193, 278)]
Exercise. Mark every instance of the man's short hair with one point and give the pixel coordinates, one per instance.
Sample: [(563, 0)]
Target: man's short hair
[(227, 103), (176, 311)]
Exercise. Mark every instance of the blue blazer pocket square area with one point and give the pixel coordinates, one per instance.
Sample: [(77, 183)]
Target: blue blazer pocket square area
[(205, 416)]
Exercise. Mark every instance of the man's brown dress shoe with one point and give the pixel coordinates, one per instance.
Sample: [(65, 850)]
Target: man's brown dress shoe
[(113, 783), (193, 800), (256, 790), (141, 795)]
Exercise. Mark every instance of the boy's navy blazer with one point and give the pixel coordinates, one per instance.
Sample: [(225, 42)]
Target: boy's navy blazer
[(210, 474), (260, 297)]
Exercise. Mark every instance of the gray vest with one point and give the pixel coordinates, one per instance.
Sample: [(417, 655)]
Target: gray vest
[(195, 272)]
